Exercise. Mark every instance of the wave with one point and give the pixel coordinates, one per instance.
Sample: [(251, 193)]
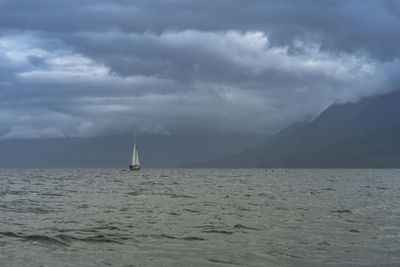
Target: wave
[(240, 226), (40, 238), (218, 232), (192, 238), (96, 239), (11, 208), (63, 240), (328, 189), (343, 211), (192, 211), (164, 236), (223, 262), (179, 196)]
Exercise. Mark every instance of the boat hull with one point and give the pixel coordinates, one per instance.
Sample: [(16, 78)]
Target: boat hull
[(134, 167)]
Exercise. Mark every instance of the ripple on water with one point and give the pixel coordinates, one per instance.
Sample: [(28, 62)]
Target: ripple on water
[(221, 217), (60, 239), (244, 227)]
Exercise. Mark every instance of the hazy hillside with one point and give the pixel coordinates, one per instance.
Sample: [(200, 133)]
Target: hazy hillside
[(362, 134), (156, 151)]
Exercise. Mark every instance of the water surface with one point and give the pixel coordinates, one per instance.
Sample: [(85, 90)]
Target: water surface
[(173, 217)]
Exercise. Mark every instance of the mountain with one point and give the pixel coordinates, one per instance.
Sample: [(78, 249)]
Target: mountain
[(361, 134), (114, 151)]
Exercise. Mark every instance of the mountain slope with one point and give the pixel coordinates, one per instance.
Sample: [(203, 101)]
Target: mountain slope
[(379, 150), (344, 135)]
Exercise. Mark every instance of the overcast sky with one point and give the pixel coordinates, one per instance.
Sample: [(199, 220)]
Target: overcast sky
[(84, 68)]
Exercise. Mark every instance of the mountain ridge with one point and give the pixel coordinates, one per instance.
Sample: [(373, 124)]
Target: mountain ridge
[(335, 131)]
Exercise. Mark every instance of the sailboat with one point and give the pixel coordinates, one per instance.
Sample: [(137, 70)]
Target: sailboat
[(135, 159)]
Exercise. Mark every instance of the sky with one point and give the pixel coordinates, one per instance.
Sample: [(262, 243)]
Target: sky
[(87, 68)]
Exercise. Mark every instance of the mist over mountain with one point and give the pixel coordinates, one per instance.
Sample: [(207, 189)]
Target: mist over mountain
[(365, 134), (352, 135), (115, 151)]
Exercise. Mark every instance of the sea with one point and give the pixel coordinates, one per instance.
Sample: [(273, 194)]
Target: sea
[(200, 217)]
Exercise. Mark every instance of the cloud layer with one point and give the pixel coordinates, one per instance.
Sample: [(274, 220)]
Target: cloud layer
[(83, 68)]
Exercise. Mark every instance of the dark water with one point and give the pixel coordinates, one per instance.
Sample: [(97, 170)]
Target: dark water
[(199, 217)]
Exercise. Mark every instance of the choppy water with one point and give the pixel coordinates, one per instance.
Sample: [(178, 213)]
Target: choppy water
[(199, 217)]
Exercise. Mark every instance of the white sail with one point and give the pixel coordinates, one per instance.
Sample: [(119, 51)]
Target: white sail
[(134, 154), (137, 158)]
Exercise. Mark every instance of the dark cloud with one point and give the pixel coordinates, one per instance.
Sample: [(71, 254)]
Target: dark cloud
[(343, 24), (94, 67)]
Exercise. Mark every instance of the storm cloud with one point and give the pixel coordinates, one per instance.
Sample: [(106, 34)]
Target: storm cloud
[(84, 68)]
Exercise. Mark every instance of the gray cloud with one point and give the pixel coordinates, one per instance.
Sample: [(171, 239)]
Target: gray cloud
[(81, 68), (342, 25)]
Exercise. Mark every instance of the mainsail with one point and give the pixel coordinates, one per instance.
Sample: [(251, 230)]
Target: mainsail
[(135, 158)]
